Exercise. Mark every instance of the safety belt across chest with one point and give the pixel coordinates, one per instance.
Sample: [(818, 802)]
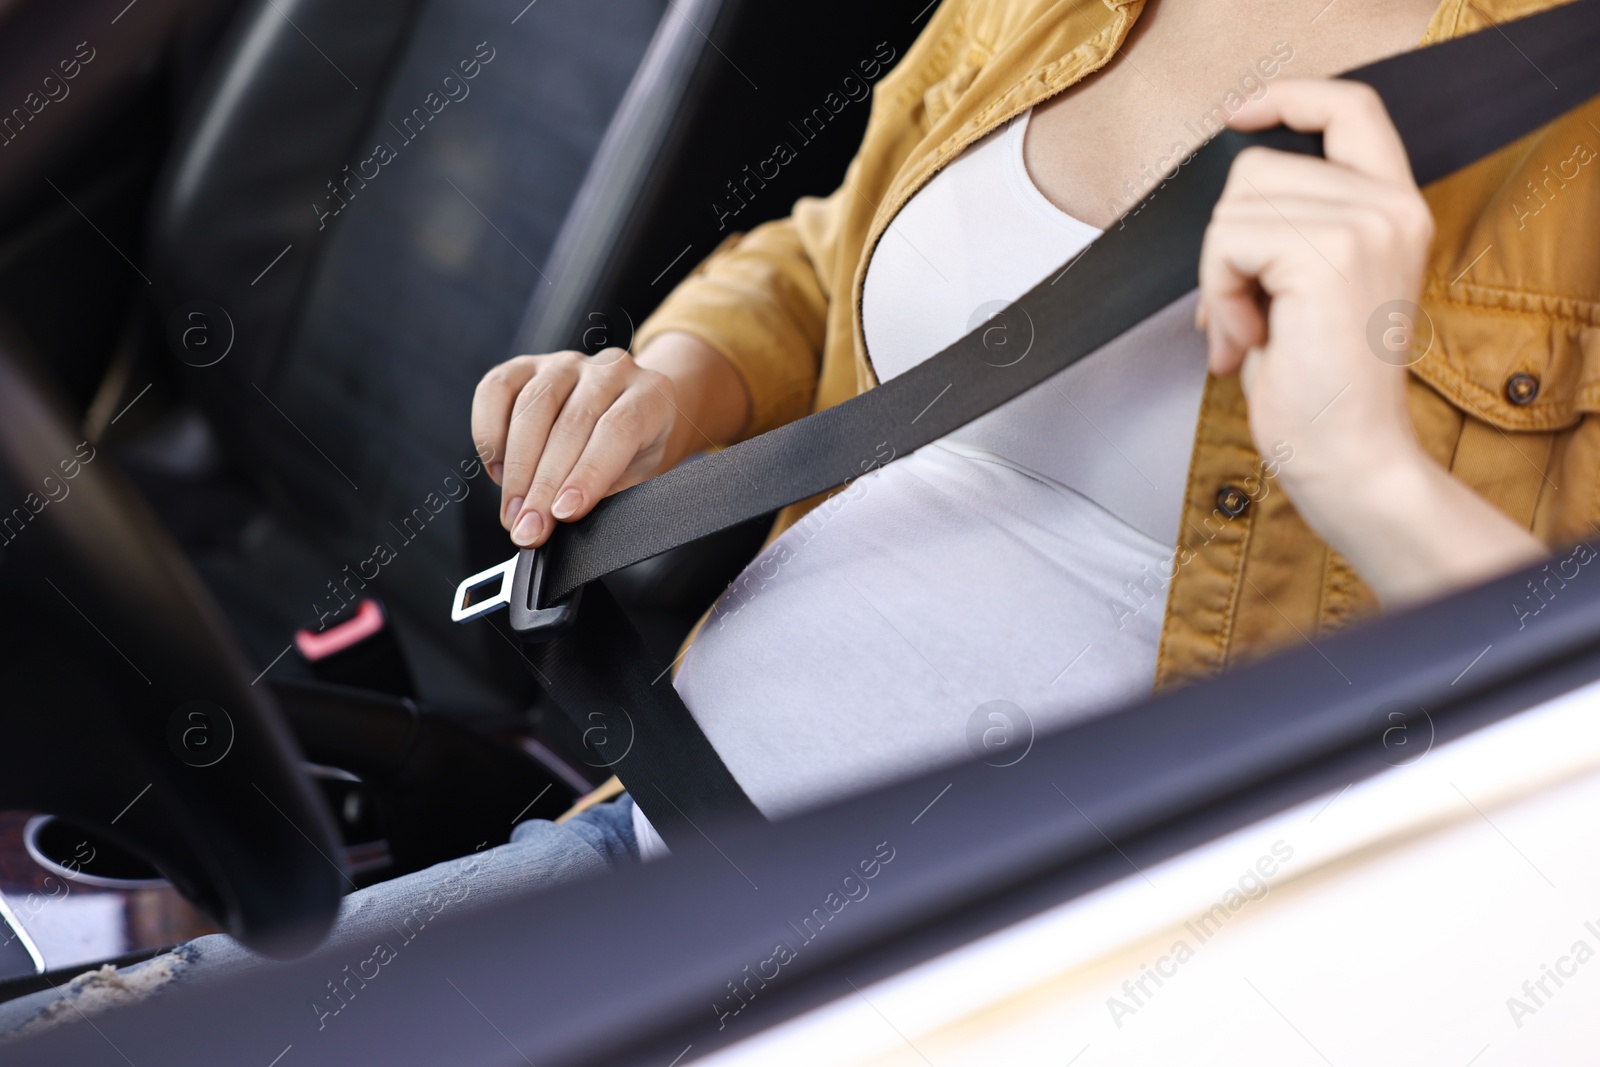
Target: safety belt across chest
[(1453, 104)]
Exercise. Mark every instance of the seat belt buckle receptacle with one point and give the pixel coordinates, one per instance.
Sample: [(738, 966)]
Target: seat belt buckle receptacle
[(516, 584)]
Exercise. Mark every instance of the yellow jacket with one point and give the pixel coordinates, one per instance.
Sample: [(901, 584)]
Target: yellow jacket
[(1500, 399)]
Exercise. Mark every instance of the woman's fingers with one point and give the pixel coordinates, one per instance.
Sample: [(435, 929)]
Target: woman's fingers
[(1234, 256), (625, 448), (1355, 127), (1278, 208), (1388, 213), (578, 421), (565, 430), (531, 418), (491, 410)]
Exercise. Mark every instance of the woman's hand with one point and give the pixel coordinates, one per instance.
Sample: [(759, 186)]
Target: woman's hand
[(1301, 255), (573, 428)]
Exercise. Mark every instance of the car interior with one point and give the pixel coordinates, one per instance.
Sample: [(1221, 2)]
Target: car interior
[(255, 255), (273, 338)]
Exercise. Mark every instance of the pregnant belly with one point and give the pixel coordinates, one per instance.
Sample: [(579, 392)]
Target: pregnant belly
[(861, 645)]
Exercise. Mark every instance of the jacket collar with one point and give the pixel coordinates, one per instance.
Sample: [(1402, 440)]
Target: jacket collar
[(1063, 45)]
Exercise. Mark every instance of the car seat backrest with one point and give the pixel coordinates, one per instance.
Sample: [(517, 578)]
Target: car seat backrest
[(361, 207), (279, 117)]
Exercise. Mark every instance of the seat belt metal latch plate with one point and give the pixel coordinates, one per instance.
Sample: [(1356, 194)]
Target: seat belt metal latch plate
[(471, 601), (520, 580)]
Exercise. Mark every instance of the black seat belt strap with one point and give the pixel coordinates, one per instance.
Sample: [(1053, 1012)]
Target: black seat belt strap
[(598, 671), (1453, 103)]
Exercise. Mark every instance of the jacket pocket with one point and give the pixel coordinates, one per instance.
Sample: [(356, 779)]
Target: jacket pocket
[(1516, 360)]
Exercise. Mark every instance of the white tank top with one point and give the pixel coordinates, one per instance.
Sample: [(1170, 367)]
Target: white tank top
[(1023, 559)]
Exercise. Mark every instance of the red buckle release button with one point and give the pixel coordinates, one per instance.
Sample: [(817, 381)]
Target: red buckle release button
[(368, 620)]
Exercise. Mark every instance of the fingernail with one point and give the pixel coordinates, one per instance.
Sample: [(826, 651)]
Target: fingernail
[(513, 508), (527, 529), (567, 503), (495, 470)]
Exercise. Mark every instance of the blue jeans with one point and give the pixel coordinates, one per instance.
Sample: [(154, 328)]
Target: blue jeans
[(539, 854)]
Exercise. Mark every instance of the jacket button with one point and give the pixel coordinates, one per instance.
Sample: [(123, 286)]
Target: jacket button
[(1521, 389), (1232, 501)]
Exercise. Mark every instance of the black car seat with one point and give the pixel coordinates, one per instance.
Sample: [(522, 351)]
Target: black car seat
[(88, 94), (377, 200), (357, 314)]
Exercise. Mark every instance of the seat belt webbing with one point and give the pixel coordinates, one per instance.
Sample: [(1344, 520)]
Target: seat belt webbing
[(1453, 103)]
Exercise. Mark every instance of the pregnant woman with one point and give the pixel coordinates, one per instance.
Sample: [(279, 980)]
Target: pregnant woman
[(1242, 469), (1245, 469)]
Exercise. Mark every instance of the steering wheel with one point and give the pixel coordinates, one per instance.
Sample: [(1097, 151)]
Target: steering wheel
[(128, 708)]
